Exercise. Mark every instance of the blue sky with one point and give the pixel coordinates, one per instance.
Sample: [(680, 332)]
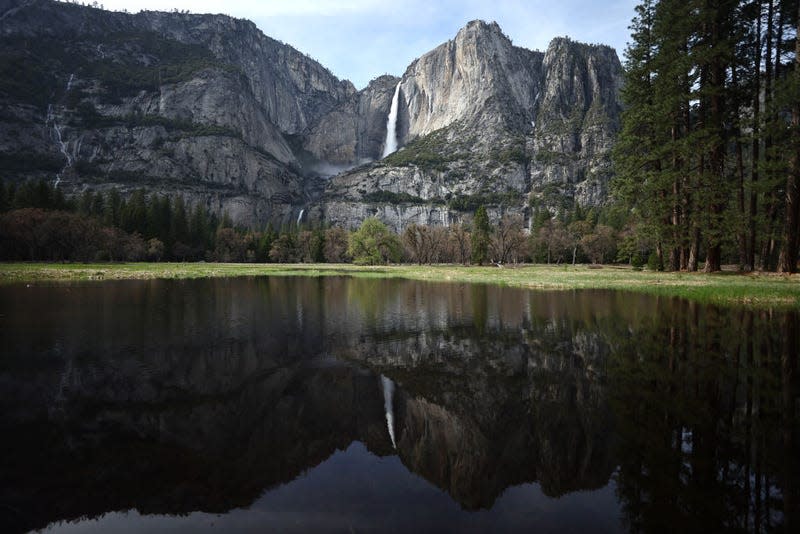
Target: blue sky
[(362, 39)]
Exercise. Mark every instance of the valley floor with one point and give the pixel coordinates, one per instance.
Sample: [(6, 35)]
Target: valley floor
[(760, 290)]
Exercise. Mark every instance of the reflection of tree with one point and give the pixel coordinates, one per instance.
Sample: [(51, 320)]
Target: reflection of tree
[(697, 399), (367, 302), (479, 306), (200, 388), (789, 426)]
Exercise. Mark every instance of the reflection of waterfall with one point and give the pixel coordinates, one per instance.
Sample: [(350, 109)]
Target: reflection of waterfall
[(391, 125), (69, 83), (300, 216), (388, 393)]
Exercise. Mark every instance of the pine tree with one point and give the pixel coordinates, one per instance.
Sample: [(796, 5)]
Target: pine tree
[(134, 216), (693, 91), (179, 224), (112, 208)]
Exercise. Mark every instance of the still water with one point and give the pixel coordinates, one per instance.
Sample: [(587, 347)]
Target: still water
[(344, 405)]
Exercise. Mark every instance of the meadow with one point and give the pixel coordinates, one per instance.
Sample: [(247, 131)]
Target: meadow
[(758, 290)]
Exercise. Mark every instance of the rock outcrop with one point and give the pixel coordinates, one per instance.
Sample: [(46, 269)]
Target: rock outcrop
[(208, 107), (485, 122), (204, 106)]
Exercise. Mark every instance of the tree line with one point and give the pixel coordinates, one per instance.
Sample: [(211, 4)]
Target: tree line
[(708, 157), (38, 223)]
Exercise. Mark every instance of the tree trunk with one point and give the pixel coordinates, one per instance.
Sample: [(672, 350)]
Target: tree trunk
[(768, 244), (674, 255), (740, 194), (716, 118), (751, 246), (787, 263), (694, 250)]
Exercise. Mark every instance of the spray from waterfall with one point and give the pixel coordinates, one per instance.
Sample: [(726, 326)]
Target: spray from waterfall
[(391, 124), (388, 394)]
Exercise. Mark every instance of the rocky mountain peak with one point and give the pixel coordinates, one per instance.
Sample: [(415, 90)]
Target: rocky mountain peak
[(480, 29), (458, 79), (210, 108)]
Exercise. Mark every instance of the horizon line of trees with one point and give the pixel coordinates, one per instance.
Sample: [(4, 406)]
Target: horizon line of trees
[(38, 223)]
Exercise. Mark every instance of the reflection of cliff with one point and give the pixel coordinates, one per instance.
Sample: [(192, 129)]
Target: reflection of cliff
[(212, 454), (480, 415), (178, 396)]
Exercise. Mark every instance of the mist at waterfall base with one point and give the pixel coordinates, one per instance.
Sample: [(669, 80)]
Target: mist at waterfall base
[(390, 145), (323, 169)]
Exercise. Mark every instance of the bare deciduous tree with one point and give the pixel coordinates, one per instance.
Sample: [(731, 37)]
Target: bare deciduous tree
[(508, 240)]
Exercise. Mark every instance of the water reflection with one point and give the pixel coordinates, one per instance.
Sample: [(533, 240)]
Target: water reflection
[(490, 406)]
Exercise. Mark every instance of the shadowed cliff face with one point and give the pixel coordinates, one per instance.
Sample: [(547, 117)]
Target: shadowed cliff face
[(207, 107), (204, 106)]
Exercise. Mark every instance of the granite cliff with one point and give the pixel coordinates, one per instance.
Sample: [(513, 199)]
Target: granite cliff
[(208, 107)]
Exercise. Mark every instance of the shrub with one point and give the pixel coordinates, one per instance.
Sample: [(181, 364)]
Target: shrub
[(373, 243)]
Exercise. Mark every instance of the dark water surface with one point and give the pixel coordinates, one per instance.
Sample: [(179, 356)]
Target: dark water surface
[(335, 404)]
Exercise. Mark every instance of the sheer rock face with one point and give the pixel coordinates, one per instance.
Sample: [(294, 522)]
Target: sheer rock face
[(208, 107), (204, 106), (355, 131), (479, 73), (482, 118)]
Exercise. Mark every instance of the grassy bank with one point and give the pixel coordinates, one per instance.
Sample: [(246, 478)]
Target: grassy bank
[(756, 290)]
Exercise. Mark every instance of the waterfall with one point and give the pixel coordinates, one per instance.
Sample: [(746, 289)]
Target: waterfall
[(51, 119), (388, 393), (62, 146), (391, 124), (300, 216)]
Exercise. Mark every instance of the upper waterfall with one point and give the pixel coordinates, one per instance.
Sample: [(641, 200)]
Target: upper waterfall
[(391, 125)]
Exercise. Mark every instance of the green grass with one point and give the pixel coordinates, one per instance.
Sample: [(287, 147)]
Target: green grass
[(757, 290)]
